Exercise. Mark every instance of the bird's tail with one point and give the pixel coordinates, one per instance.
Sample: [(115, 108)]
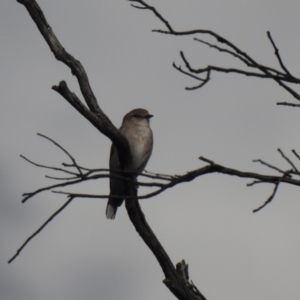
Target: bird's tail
[(111, 209)]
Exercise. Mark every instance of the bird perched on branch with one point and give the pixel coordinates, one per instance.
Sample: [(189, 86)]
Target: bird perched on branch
[(135, 128)]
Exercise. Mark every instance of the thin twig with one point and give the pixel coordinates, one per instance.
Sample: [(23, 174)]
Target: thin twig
[(288, 104), (60, 178), (267, 72), (278, 55), (287, 159), (296, 154), (206, 160), (84, 168), (40, 229), (157, 14), (47, 188), (269, 199), (63, 149), (268, 165), (238, 56), (254, 182), (203, 80), (46, 167), (290, 90), (186, 73)]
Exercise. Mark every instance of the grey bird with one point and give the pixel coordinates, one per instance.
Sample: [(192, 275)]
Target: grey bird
[(135, 128)]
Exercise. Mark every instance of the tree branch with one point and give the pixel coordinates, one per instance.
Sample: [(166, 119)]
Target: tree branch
[(233, 50), (177, 279), (96, 116), (278, 55), (40, 229), (165, 182), (173, 280)]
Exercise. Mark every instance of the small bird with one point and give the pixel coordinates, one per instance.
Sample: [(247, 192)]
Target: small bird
[(135, 128)]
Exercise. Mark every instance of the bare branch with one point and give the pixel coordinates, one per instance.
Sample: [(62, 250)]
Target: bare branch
[(296, 154), (288, 104), (278, 55), (264, 71), (64, 150), (287, 159), (254, 182), (93, 113), (60, 178), (94, 174), (176, 280), (50, 187), (157, 14), (186, 73), (100, 121), (268, 165), (140, 223), (241, 58), (173, 280), (40, 229), (290, 90), (183, 270), (203, 80), (220, 49), (269, 199), (46, 167), (61, 54), (231, 70), (157, 175)]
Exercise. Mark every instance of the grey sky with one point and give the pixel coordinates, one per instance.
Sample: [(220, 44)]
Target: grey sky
[(232, 253)]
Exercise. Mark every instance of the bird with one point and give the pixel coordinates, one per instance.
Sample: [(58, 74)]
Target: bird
[(135, 127)]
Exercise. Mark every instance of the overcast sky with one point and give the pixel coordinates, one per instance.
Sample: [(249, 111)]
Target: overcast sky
[(232, 253)]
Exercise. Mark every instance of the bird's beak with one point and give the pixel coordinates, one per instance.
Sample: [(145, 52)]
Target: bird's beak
[(149, 116)]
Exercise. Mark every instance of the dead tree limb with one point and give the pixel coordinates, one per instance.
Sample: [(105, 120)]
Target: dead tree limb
[(281, 77), (162, 182), (96, 116), (176, 279)]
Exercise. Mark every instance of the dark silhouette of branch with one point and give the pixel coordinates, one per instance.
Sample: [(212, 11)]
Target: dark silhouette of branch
[(40, 229), (176, 279), (183, 270), (92, 111), (269, 199), (288, 160), (278, 55), (268, 165), (281, 77), (288, 104), (96, 116), (296, 154), (47, 167), (202, 80), (162, 183), (176, 284), (85, 174), (64, 150)]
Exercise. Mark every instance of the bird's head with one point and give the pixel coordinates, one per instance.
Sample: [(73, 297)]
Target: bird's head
[(137, 116)]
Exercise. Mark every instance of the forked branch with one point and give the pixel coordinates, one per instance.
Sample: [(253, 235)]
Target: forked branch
[(176, 279), (96, 116), (161, 183), (281, 76)]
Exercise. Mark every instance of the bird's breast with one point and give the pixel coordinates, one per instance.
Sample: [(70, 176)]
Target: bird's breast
[(140, 142)]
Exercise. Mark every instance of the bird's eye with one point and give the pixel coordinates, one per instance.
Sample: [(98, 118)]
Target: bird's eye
[(136, 115)]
